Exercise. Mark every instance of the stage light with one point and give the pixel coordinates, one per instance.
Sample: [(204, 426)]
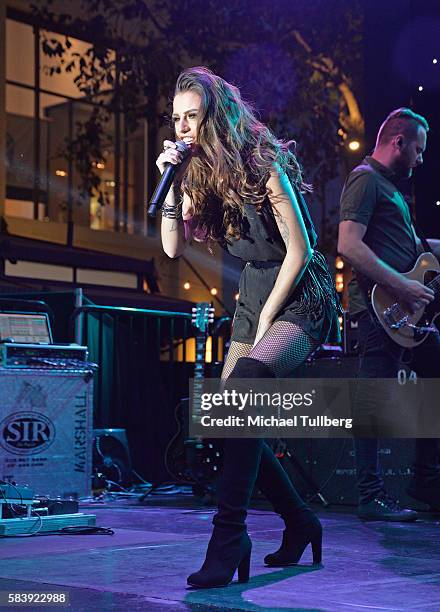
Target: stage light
[(214, 291), (354, 145), (339, 263), (438, 202), (420, 87), (435, 60), (60, 172), (187, 285)]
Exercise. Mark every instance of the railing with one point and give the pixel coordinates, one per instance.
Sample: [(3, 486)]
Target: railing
[(145, 358)]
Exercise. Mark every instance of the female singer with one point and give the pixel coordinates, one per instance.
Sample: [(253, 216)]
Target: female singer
[(241, 187)]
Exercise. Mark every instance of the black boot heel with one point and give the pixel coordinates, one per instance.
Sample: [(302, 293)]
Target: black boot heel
[(296, 538), (227, 552), (317, 550), (243, 568)]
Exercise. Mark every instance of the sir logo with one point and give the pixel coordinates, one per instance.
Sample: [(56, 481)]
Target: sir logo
[(26, 433)]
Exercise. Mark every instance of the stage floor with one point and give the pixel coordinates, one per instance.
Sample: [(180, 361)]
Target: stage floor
[(143, 566)]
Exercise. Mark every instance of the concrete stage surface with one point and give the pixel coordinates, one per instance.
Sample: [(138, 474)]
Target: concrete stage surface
[(144, 565)]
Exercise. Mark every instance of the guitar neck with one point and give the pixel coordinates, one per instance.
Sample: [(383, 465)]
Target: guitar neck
[(199, 375), (199, 365), (435, 285), (203, 315)]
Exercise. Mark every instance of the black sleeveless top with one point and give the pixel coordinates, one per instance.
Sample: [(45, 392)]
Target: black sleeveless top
[(260, 237)]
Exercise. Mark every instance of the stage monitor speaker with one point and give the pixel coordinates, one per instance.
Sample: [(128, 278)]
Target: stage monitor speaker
[(111, 456)]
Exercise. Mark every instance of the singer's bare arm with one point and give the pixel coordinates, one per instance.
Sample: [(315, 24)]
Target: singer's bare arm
[(298, 249), (173, 230)]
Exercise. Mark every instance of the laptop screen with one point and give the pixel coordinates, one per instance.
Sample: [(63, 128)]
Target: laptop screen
[(25, 327)]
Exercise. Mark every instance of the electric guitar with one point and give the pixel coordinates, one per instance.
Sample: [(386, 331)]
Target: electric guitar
[(194, 460), (405, 327)]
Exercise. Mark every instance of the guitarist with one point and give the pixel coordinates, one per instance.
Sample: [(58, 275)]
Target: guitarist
[(377, 237)]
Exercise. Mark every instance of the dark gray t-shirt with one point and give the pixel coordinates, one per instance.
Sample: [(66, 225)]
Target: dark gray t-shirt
[(371, 197)]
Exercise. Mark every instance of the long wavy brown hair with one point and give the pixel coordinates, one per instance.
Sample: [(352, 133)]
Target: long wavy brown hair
[(236, 156)]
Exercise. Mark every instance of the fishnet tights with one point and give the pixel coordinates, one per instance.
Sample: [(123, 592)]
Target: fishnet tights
[(284, 347), (236, 350)]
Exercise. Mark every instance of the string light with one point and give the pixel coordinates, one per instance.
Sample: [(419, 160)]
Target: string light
[(435, 60), (339, 263), (236, 296), (420, 87), (438, 202), (187, 285), (214, 291), (339, 282), (354, 145), (60, 172)]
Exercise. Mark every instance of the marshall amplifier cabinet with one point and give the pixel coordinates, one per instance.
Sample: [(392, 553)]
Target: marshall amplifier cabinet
[(46, 430)]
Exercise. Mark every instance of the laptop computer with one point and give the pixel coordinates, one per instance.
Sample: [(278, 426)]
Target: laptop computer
[(25, 328)]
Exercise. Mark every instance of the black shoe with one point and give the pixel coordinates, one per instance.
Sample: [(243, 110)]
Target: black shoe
[(227, 552), (296, 538), (384, 508), (428, 493)]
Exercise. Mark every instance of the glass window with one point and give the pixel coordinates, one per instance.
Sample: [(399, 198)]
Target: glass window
[(63, 82), (42, 178), (19, 137), (20, 64)]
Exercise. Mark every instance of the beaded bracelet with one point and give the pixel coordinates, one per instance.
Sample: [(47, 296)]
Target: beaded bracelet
[(170, 211)]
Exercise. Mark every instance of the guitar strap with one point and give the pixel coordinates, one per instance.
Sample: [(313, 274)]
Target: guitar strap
[(423, 240), (422, 237)]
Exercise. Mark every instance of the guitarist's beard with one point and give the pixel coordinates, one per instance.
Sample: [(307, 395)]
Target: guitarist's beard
[(402, 166)]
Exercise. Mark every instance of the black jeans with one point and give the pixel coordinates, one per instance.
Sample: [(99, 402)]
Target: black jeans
[(380, 357)]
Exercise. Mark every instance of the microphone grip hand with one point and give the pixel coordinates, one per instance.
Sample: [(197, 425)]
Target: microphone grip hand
[(172, 161), (162, 189)]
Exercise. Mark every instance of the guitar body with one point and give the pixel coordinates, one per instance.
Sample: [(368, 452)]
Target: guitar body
[(395, 318), (193, 460)]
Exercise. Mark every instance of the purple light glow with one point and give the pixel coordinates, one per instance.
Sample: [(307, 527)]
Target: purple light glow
[(265, 75)]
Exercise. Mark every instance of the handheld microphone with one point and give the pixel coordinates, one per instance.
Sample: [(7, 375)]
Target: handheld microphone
[(166, 180)]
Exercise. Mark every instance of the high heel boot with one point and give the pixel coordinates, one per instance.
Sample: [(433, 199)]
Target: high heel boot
[(227, 552), (302, 530), (302, 525), (229, 548)]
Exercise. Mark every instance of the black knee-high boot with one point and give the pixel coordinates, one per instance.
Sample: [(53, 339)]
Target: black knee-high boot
[(302, 525), (229, 548)]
